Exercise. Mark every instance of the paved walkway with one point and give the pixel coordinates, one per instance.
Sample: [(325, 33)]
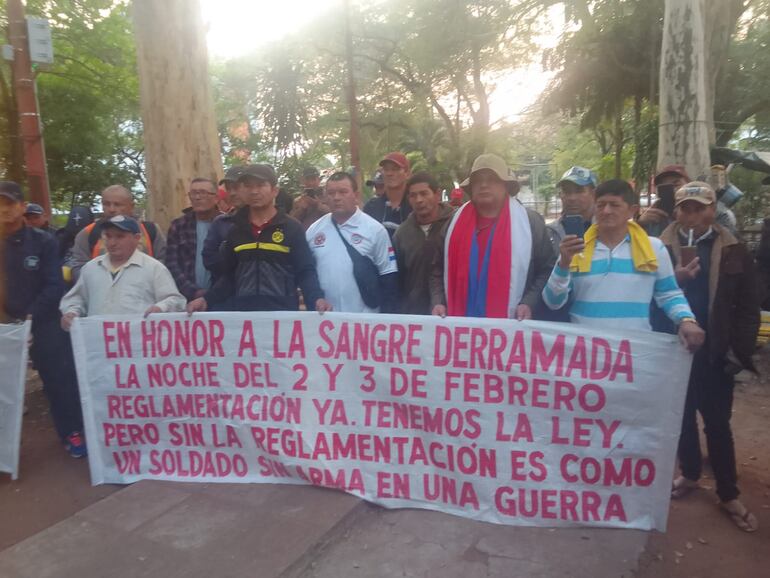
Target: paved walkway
[(222, 530)]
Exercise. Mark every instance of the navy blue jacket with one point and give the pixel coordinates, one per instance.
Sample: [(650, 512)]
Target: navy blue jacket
[(213, 257), (34, 282)]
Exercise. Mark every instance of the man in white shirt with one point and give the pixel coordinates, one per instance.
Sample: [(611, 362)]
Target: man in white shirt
[(124, 280), (334, 261)]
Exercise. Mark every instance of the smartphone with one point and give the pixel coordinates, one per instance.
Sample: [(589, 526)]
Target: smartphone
[(573, 225), (666, 197), (687, 255)]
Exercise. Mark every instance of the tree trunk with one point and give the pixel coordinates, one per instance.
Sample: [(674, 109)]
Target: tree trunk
[(180, 131), (683, 133), (619, 143), (355, 157)]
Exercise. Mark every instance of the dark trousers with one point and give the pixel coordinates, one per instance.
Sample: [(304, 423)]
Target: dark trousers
[(709, 392), (52, 353)]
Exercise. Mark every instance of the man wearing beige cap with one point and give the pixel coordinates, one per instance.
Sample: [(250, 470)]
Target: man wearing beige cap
[(497, 255), (717, 275)]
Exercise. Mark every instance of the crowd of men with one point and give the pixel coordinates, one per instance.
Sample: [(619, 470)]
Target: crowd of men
[(406, 251)]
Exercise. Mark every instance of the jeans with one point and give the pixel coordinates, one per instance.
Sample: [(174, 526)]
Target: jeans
[(52, 353), (709, 392)]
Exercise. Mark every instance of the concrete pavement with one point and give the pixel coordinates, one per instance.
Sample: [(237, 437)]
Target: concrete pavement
[(225, 530)]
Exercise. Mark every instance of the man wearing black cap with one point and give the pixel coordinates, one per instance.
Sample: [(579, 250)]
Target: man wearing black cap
[(33, 288), (377, 183), (265, 254), (311, 181), (392, 208), (661, 214), (221, 225), (36, 218), (310, 206), (122, 281)]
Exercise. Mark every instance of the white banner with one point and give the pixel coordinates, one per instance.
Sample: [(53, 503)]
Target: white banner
[(513, 423), (13, 374)]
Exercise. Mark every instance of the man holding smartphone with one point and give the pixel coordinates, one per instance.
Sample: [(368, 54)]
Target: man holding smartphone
[(609, 277), (721, 286), (576, 191), (661, 214)]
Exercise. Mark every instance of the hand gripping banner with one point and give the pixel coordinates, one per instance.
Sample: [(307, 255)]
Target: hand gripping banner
[(530, 423)]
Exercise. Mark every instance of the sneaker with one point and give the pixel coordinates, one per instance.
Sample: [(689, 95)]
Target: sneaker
[(76, 445)]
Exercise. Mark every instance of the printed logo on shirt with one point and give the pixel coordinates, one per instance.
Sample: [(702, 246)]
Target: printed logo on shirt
[(391, 254), (356, 239), (32, 263), (319, 239), (277, 236)]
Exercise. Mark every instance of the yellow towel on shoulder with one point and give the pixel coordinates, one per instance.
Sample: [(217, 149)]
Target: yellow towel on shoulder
[(642, 253)]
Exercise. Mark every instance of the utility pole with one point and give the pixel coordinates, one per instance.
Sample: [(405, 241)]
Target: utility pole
[(26, 103), (355, 159)]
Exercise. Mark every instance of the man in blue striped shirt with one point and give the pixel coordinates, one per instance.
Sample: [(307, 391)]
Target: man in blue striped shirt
[(615, 271)]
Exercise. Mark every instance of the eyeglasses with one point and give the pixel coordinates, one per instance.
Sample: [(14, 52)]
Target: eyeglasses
[(200, 193)]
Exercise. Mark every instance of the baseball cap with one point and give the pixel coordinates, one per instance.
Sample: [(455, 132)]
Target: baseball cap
[(671, 170), (377, 180), (127, 224), (494, 163), (231, 175), (398, 158), (310, 172), (11, 190), (33, 209), (695, 191), (259, 171), (581, 176)]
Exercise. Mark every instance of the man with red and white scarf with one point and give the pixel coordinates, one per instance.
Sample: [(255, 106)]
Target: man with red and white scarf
[(497, 255)]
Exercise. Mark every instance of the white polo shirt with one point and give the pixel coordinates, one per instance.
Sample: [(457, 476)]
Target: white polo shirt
[(335, 268)]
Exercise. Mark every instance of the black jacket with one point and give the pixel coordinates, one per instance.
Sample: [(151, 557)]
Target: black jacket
[(733, 298), (379, 209), (262, 274), (34, 282)]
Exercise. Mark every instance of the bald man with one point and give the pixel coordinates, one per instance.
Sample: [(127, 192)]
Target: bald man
[(116, 200)]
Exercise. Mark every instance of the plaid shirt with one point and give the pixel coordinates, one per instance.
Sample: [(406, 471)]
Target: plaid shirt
[(180, 253)]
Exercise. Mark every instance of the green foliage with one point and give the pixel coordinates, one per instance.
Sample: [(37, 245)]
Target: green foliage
[(743, 91), (755, 202), (89, 99), (424, 71)]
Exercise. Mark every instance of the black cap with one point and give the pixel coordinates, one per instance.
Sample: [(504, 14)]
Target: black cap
[(310, 172), (78, 219), (34, 209), (259, 171), (378, 179), (11, 190), (766, 181), (231, 174)]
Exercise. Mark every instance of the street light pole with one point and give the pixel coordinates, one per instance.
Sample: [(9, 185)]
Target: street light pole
[(26, 103)]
